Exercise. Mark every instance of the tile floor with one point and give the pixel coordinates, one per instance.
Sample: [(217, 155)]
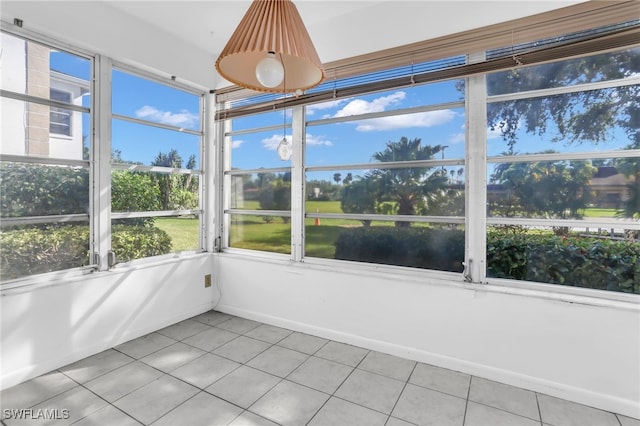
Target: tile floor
[(216, 369)]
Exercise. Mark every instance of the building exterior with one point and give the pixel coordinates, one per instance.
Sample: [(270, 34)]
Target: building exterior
[(38, 129), (610, 188)]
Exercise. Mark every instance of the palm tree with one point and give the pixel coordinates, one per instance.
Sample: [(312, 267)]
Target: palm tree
[(409, 188)]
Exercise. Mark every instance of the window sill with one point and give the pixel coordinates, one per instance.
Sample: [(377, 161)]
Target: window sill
[(577, 295), (52, 279)]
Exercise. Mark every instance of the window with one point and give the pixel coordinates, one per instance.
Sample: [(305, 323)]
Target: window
[(361, 171), (563, 173), (258, 203), (52, 176), (358, 209), (59, 118), (156, 168), (394, 169), (45, 190)]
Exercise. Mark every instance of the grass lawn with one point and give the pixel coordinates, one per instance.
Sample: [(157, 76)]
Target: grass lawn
[(252, 232), (320, 240), (182, 230), (323, 207), (595, 212)]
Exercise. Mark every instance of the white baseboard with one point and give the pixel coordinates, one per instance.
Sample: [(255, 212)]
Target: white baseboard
[(559, 390)]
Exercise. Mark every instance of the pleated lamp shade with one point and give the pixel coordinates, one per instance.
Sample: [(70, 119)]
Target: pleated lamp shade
[(271, 26)]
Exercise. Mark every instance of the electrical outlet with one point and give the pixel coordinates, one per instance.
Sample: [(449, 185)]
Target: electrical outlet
[(207, 280)]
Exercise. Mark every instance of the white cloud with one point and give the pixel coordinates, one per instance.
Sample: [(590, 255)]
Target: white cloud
[(236, 143), (360, 106), (420, 119), (493, 134), (318, 140), (457, 138), (311, 109), (271, 143), (183, 118)]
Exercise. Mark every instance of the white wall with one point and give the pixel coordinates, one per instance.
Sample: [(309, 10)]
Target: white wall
[(62, 322), (13, 75), (581, 352), (562, 346)]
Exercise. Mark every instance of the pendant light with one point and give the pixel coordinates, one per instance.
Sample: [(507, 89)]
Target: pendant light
[(271, 51)]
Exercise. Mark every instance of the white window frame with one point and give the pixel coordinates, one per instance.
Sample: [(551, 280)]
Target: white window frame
[(44, 279), (62, 111), (99, 165), (200, 172), (475, 162)]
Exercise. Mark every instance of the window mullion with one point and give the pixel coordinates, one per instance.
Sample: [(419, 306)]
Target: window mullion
[(101, 163), (297, 184), (211, 175), (224, 150), (476, 176)]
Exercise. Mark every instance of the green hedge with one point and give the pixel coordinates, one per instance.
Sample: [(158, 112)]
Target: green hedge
[(135, 242), (49, 248), (38, 190), (572, 261), (440, 249), (43, 249)]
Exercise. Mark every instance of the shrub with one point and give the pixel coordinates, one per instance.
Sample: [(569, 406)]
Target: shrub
[(275, 196), (429, 248), (38, 190), (573, 261), (506, 255), (135, 242), (133, 191), (36, 250)]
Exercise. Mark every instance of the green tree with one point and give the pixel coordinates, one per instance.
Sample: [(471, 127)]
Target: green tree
[(402, 191), (177, 191), (184, 189), (166, 182), (411, 190), (39, 190), (630, 167), (588, 116), (632, 203), (264, 179), (275, 194), (133, 191), (359, 196), (558, 189), (445, 202)]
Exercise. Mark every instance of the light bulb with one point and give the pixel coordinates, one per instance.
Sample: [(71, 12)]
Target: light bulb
[(270, 71)]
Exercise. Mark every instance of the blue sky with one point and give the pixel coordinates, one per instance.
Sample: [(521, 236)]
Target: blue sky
[(357, 141), (329, 144)]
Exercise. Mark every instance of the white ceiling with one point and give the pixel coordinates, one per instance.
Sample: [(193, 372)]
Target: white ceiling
[(184, 38)]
